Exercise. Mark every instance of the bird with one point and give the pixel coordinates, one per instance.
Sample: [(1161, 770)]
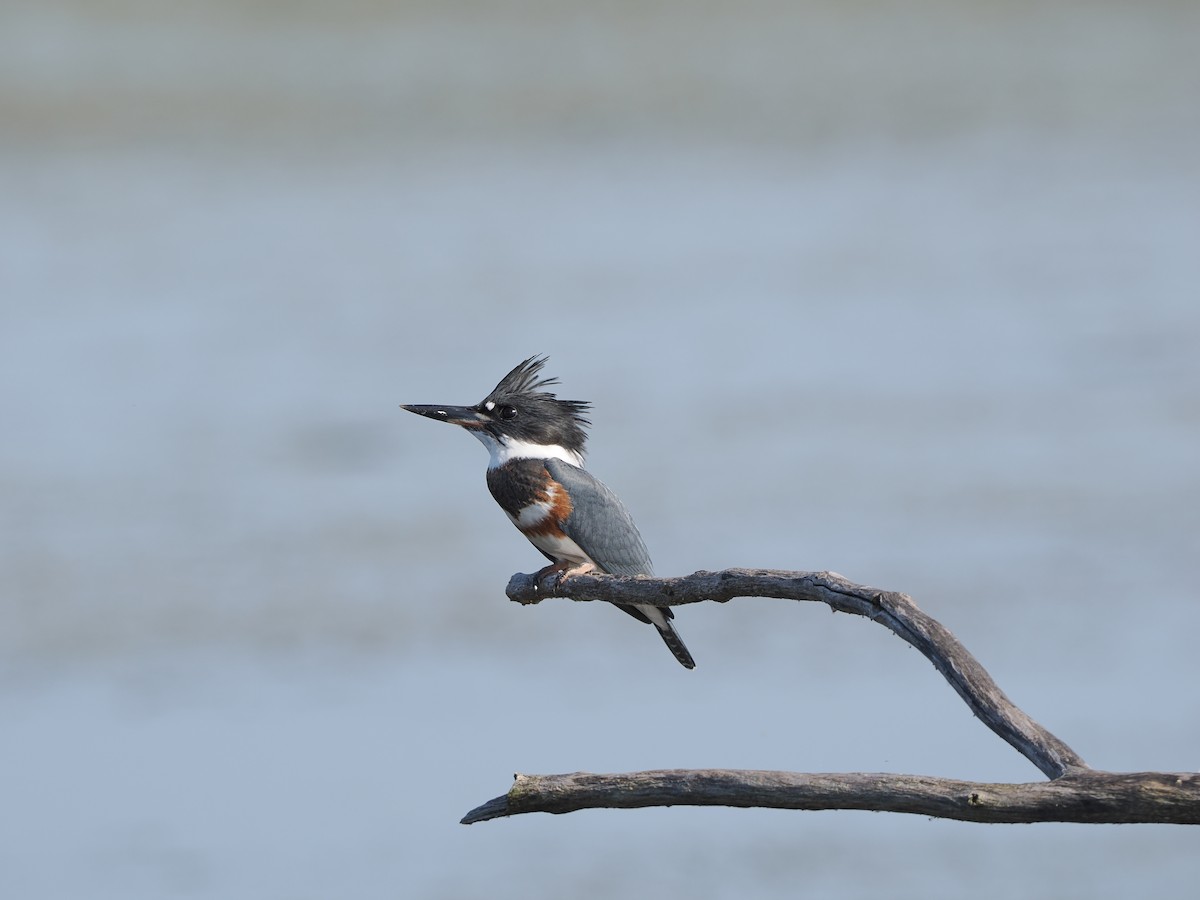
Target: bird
[(536, 474)]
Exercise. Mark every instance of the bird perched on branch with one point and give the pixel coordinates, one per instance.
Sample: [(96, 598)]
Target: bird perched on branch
[(536, 474)]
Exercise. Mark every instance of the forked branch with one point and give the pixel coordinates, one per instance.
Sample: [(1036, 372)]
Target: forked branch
[(1076, 792), (893, 610)]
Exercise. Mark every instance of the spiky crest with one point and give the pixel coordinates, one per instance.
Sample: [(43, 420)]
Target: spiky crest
[(522, 388)]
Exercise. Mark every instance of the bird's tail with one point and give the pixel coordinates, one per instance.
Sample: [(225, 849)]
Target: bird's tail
[(660, 618), (675, 644)]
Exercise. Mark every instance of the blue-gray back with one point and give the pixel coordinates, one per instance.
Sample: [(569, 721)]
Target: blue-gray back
[(599, 522)]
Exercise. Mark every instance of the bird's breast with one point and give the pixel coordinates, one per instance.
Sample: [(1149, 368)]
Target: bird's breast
[(527, 493), (538, 505)]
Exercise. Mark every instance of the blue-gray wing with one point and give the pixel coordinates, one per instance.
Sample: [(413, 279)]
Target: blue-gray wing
[(599, 522)]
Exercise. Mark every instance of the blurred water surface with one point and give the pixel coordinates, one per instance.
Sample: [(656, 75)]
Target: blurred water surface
[(904, 292)]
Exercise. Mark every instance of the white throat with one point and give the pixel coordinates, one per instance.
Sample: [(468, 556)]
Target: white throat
[(507, 449)]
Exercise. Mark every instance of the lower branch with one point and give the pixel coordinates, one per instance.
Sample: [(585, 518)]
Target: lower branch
[(1088, 796)]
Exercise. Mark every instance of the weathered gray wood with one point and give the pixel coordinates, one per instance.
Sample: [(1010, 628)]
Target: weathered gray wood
[(1075, 793), (895, 611), (1086, 796)]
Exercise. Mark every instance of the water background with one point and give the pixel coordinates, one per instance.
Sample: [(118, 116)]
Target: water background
[(908, 292)]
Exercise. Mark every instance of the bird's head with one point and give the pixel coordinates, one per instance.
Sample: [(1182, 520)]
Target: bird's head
[(518, 419)]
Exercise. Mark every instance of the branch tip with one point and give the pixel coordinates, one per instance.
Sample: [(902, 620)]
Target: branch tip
[(496, 808)]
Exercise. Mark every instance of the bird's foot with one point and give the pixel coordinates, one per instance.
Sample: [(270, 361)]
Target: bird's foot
[(558, 573)]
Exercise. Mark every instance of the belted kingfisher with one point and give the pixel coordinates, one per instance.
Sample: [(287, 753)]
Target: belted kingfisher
[(536, 475)]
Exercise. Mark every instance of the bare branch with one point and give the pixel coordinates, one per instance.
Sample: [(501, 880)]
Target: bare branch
[(1087, 796), (1075, 793), (895, 611)]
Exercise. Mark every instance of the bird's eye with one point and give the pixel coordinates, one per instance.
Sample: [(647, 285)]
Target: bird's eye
[(508, 412)]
